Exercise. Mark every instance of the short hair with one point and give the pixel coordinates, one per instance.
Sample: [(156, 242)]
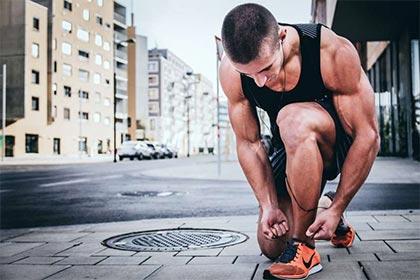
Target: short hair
[(245, 28)]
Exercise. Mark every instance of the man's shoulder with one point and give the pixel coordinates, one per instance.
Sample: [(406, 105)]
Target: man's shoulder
[(230, 80)]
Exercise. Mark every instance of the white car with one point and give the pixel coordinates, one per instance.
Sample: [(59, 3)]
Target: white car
[(132, 150)]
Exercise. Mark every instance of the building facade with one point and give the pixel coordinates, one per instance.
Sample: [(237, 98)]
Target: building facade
[(60, 76), (386, 35)]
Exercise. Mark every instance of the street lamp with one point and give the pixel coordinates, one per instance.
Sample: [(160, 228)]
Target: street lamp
[(120, 43)]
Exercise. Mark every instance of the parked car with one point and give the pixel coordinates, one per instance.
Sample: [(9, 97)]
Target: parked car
[(134, 149), (173, 151), (154, 151), (161, 151)]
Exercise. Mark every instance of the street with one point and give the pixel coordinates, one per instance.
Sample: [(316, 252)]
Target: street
[(46, 195)]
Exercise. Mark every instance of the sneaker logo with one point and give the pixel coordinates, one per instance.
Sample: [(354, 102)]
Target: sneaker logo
[(308, 264)]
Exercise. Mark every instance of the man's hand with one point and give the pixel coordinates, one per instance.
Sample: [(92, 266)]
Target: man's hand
[(273, 222), (324, 225)]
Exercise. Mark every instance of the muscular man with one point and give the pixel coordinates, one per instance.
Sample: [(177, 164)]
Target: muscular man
[(322, 115)]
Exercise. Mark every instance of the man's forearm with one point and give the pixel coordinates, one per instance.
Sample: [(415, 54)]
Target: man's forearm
[(356, 168), (256, 166)]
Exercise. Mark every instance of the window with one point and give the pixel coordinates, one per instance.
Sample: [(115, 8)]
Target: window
[(153, 93), (153, 66), (83, 94), (35, 103), (35, 23), (97, 117), (106, 64), (35, 50), (66, 113), (152, 124), (82, 34), (83, 144), (100, 3), (97, 78), (84, 56), (54, 44), (153, 80), (99, 20), (83, 115), (98, 40), (67, 5), (54, 89), (66, 26), (98, 59), (97, 97), (55, 66), (67, 70), (86, 14), (106, 46), (83, 75), (107, 121), (31, 143), (154, 108), (35, 77), (107, 102), (56, 146), (66, 48), (67, 91)]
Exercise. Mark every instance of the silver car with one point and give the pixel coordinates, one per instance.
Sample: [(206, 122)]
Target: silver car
[(133, 149)]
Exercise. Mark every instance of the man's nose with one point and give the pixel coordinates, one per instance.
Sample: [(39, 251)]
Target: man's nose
[(260, 80)]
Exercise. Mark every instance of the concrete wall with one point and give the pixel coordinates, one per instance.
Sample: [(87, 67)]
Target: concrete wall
[(142, 60)]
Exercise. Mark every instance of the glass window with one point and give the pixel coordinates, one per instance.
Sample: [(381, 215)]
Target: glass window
[(83, 55), (98, 40), (35, 103), (83, 144), (153, 80), (82, 34), (153, 66), (35, 77), (66, 113), (86, 14), (153, 93), (107, 101), (100, 3), (98, 59), (106, 64), (107, 121), (66, 26), (97, 117), (66, 48), (83, 75), (67, 69), (83, 94), (99, 20), (84, 115), (35, 50), (54, 89), (35, 23), (56, 146), (154, 108), (97, 78), (68, 5), (31, 143), (67, 91), (106, 46)]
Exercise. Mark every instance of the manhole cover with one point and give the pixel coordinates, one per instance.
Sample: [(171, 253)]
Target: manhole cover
[(175, 240), (149, 194)]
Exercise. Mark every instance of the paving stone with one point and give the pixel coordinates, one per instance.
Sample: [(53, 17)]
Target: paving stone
[(251, 259), (12, 248), (413, 218), (49, 249), (395, 225), (106, 273), (133, 226), (405, 246), (114, 252), (203, 252), (406, 270), (48, 237), (403, 256), (249, 248), (12, 259), (165, 259), (390, 218), (375, 246), (6, 234), (84, 249), (361, 219), (353, 258), (29, 272), (211, 272), (123, 260), (94, 237), (80, 260), (389, 234), (212, 260), (39, 260)]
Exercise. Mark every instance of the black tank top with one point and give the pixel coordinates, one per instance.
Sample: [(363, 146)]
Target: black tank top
[(309, 87)]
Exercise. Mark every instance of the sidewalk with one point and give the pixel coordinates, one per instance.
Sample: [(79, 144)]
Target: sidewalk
[(387, 247), (54, 160)]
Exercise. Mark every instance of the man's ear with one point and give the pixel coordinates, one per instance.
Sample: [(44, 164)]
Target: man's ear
[(282, 34)]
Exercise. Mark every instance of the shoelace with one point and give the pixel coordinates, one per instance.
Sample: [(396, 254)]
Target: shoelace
[(289, 253)]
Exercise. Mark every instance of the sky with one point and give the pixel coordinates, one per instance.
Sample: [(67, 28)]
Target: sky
[(187, 27)]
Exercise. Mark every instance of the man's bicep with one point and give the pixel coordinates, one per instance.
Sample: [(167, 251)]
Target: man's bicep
[(244, 121)]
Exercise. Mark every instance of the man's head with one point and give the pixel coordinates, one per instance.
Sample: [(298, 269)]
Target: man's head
[(250, 36)]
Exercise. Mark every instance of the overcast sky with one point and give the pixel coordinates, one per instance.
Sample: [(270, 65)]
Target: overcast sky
[(187, 27)]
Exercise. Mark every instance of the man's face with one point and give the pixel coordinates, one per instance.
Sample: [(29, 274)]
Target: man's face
[(266, 68)]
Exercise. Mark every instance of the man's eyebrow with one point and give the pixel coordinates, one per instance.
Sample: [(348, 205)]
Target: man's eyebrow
[(266, 68)]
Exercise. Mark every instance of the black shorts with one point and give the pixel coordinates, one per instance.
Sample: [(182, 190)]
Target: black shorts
[(342, 146)]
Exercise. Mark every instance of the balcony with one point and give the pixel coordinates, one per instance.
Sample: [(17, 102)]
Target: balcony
[(121, 54), (120, 18), (119, 36), (122, 73)]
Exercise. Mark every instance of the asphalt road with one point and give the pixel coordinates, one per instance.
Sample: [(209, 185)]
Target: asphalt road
[(104, 192)]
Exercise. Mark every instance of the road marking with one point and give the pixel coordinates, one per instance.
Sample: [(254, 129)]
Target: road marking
[(69, 182)]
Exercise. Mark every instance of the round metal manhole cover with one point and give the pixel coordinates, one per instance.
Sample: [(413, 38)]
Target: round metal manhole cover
[(175, 240)]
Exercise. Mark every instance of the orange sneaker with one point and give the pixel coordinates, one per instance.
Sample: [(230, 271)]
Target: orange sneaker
[(298, 261)]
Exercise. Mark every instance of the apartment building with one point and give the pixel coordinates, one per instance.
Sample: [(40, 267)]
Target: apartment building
[(60, 62)]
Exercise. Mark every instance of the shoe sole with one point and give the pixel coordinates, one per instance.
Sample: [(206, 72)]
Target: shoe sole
[(315, 269)]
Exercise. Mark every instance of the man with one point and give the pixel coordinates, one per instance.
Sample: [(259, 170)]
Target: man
[(321, 109)]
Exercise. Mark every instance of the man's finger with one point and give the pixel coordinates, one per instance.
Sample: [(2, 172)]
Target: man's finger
[(285, 224), (314, 228), (279, 230)]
